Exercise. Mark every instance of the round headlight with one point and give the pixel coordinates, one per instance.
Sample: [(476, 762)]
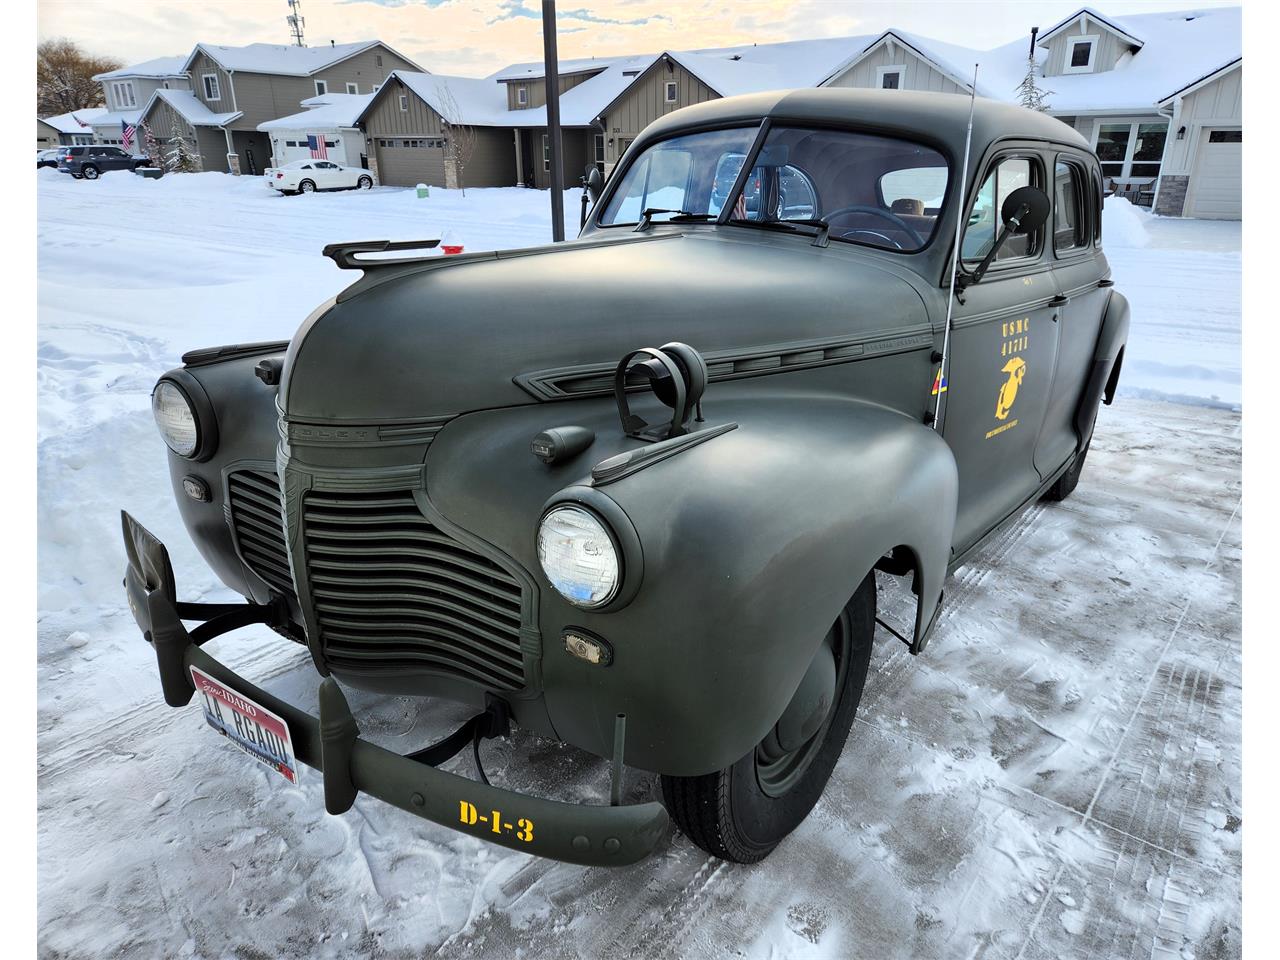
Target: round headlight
[(578, 556), (175, 418)]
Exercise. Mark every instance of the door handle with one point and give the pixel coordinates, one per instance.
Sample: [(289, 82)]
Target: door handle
[(1058, 301)]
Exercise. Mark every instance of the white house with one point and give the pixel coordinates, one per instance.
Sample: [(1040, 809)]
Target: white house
[(1158, 95), (331, 118)]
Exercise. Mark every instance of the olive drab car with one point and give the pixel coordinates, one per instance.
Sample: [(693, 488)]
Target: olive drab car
[(633, 491)]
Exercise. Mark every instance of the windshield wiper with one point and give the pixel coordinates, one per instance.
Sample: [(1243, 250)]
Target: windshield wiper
[(681, 216), (821, 238)]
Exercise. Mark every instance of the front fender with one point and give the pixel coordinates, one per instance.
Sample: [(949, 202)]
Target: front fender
[(1104, 375), (752, 543)]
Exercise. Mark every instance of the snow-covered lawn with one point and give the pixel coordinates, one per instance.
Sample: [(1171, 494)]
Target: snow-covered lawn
[(1057, 776)]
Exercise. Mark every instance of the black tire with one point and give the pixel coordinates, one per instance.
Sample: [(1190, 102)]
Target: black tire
[(1065, 484), (730, 813), (364, 183), (89, 172), (307, 186)]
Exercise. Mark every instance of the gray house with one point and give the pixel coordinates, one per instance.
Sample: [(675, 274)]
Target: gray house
[(127, 92), (234, 89), (67, 129)]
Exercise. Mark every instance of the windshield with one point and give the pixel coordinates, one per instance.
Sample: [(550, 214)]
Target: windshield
[(692, 174), (862, 188)]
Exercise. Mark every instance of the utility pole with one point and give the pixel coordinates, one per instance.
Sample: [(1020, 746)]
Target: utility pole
[(552, 69), (296, 21)]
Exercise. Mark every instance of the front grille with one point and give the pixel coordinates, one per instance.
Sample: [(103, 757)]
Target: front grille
[(259, 529), (391, 591)]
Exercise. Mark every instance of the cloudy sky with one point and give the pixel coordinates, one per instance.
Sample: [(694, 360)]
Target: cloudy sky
[(476, 37)]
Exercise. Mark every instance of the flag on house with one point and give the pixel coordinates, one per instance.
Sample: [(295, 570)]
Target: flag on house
[(316, 143), (127, 131), (79, 121)]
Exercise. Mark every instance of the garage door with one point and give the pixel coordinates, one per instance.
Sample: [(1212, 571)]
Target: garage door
[(407, 161), (1217, 184)]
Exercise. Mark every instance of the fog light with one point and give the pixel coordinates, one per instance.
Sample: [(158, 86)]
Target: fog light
[(586, 646)]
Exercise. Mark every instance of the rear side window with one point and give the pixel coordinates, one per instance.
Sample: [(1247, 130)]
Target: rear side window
[(984, 225), (1070, 220)]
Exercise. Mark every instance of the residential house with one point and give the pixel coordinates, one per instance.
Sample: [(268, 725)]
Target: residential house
[(1158, 95), (67, 129), (234, 89), (128, 90), (331, 120)]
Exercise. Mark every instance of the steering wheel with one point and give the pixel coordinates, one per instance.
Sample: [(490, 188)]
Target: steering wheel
[(893, 218)]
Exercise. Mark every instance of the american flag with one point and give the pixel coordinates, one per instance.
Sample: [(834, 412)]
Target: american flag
[(79, 121), (127, 130), (316, 143)]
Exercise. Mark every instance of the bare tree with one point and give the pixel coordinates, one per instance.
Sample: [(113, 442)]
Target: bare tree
[(64, 77), (460, 137), (1030, 94), (151, 146)]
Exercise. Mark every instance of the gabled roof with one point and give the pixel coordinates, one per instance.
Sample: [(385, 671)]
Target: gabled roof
[(1111, 24), (190, 107), (282, 59), (326, 112), (77, 121), (952, 61), (157, 69), (1207, 79)]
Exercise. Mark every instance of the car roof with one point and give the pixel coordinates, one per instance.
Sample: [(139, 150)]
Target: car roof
[(941, 116)]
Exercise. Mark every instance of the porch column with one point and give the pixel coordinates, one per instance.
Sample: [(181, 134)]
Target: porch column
[(515, 134), (233, 158)]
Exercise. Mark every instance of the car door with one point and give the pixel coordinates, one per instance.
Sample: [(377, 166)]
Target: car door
[(1078, 266), (330, 173), (1000, 367), (117, 159)]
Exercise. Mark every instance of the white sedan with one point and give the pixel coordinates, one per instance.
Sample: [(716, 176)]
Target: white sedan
[(308, 176)]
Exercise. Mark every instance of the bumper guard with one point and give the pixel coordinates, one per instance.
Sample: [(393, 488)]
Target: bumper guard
[(575, 833)]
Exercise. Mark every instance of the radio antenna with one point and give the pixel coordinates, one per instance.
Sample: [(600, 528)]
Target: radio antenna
[(296, 21), (955, 259)]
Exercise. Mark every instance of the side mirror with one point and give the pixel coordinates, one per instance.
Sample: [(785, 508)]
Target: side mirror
[(595, 182), (1025, 210)]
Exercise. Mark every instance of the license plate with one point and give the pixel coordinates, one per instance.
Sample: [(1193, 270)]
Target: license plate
[(250, 726)]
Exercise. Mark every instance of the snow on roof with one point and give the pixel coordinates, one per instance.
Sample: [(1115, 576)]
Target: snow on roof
[(115, 118), (159, 68), (67, 122), (1178, 49), (329, 111), (279, 58), (469, 100), (769, 66), (534, 69), (190, 107)]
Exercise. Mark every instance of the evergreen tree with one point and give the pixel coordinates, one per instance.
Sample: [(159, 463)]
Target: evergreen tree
[(180, 159), (1030, 94)]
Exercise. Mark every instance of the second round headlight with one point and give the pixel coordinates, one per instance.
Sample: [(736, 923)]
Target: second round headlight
[(175, 418), (579, 556)]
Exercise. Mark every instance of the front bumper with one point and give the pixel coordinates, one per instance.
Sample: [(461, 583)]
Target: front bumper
[(574, 833)]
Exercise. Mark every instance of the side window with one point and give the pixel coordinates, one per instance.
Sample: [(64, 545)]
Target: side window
[(984, 224), (1070, 220)]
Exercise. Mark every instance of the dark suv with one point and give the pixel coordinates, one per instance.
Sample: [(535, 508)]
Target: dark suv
[(95, 159)]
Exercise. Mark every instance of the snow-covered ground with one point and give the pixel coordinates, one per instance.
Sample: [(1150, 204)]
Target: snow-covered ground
[(1059, 774)]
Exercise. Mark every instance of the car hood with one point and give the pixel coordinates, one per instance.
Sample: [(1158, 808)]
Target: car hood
[(503, 329)]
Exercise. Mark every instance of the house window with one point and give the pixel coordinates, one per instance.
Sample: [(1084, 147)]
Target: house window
[(353, 88), (522, 96), (123, 93), (1131, 150), (322, 87), (377, 58), (1080, 54), (1225, 136), (404, 103), (546, 153), (889, 78), (600, 150), (671, 91), (211, 91)]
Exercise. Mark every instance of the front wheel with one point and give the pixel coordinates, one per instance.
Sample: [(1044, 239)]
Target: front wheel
[(742, 812), (306, 186), (365, 183)]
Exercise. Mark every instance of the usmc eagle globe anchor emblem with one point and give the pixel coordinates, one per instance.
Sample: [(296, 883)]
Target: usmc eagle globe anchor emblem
[(1016, 368)]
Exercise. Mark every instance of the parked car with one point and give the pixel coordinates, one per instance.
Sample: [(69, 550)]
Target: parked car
[(90, 162), (46, 158), (656, 537), (308, 176)]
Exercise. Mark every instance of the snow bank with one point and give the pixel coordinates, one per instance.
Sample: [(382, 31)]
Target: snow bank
[(1123, 224)]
